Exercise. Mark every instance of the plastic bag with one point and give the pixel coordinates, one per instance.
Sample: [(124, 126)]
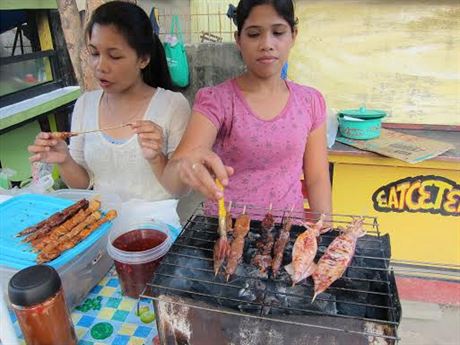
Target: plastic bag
[(41, 182), (176, 55), (5, 175), (332, 125)]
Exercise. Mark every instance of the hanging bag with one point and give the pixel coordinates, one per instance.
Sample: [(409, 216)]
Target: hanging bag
[(176, 54), (154, 20)]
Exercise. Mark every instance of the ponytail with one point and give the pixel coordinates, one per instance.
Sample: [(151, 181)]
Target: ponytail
[(156, 73)]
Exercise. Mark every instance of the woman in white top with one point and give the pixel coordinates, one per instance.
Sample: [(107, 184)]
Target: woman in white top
[(128, 60)]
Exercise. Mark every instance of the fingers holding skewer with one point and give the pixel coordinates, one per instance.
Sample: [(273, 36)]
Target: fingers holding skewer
[(200, 169)]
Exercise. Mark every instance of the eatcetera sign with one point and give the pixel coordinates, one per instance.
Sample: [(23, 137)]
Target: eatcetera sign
[(427, 194)]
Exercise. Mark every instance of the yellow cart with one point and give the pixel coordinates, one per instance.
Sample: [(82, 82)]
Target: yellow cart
[(417, 204)]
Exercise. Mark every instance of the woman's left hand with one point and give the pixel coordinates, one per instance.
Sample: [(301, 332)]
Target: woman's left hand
[(150, 138)]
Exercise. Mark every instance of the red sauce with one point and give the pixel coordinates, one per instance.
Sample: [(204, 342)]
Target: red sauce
[(47, 323), (134, 277)]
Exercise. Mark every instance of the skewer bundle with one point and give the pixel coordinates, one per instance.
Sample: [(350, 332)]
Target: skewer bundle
[(65, 229)]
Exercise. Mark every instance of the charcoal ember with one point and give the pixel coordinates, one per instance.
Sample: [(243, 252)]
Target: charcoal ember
[(287, 256), (270, 302), (351, 303), (263, 262), (252, 237), (283, 277), (249, 254), (325, 303)]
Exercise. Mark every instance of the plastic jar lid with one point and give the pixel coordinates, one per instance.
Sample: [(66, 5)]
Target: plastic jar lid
[(33, 285), (363, 113), (140, 257)]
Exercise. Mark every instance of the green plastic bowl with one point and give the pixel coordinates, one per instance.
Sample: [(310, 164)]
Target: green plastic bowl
[(359, 129)]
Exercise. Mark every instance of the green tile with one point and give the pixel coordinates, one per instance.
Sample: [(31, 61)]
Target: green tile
[(113, 302), (120, 315)]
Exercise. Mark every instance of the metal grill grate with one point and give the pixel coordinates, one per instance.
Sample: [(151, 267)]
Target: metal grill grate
[(366, 292)]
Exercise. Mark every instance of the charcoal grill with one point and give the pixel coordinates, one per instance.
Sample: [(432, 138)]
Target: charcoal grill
[(195, 307)]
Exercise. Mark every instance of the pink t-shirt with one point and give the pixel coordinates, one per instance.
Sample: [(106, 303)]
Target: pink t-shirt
[(267, 155)]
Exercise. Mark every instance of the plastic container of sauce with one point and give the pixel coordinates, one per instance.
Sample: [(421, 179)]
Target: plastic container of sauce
[(137, 252), (37, 299)]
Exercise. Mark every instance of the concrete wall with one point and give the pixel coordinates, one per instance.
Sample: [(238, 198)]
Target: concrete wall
[(397, 55), (401, 56), (211, 64)]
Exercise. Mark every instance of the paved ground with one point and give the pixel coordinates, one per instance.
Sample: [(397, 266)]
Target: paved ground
[(429, 324)]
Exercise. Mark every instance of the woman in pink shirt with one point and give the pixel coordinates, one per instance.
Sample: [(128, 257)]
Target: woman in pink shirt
[(257, 133)]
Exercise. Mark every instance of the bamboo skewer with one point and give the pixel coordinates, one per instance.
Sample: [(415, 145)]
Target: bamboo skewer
[(66, 135), (102, 129)]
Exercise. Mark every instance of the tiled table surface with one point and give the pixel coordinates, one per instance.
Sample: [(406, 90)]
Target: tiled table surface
[(106, 317)]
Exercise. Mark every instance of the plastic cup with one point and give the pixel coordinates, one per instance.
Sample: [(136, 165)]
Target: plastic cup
[(137, 252)]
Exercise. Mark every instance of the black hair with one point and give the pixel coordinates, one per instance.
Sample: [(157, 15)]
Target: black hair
[(284, 8), (134, 24)]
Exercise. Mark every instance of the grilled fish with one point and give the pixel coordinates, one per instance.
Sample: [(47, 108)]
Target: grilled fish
[(337, 257), (304, 252)]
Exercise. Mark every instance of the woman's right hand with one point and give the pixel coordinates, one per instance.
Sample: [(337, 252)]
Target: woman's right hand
[(48, 150), (199, 169)]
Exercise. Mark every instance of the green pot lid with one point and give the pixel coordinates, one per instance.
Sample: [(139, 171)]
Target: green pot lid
[(363, 113)]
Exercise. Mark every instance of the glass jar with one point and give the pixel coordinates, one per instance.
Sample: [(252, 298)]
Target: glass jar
[(38, 301)]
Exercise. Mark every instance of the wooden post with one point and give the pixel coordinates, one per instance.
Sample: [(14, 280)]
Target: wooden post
[(72, 28), (89, 82)]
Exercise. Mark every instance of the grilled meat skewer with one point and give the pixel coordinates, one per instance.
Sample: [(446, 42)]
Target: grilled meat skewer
[(56, 219), (70, 243), (240, 231), (280, 244), (228, 219), (40, 242), (263, 258)]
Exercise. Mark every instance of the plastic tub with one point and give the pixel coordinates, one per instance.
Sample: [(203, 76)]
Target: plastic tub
[(108, 200), (355, 128), (137, 252)]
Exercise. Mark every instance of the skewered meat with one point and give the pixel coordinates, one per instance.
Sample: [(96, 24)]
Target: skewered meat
[(263, 258), (337, 257), (280, 244), (55, 219), (40, 242), (87, 220), (70, 243), (221, 247), (62, 135), (112, 214), (228, 219), (304, 252), (240, 231), (242, 224)]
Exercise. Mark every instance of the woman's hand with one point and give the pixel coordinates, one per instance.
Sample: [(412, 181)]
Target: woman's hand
[(150, 138), (200, 168), (48, 150)]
